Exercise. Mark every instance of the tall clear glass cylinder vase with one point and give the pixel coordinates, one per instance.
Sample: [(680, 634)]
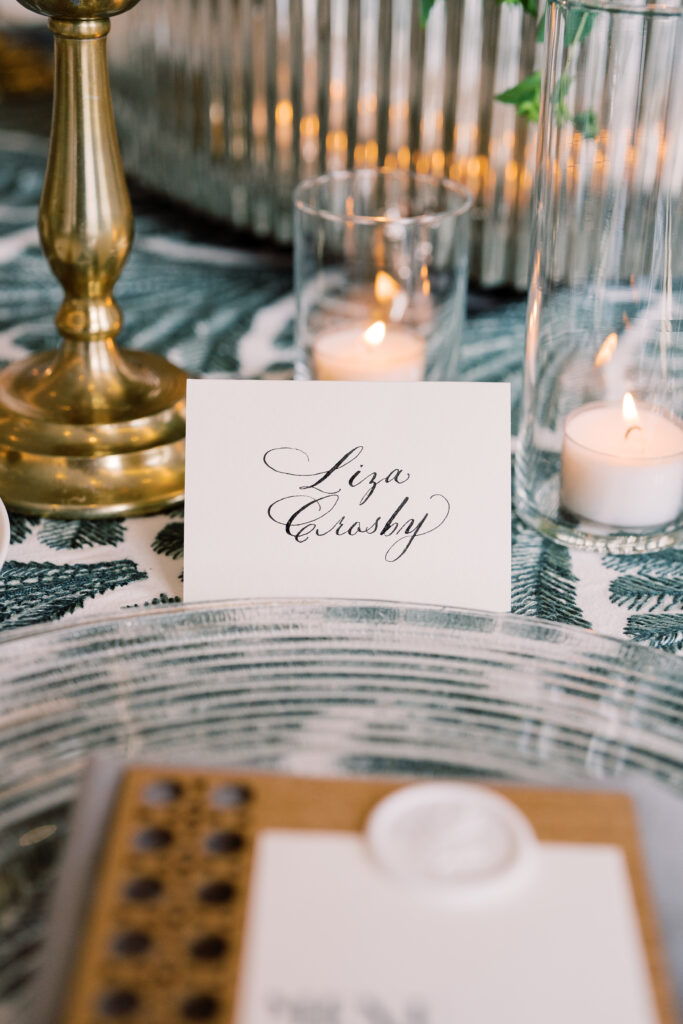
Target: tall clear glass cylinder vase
[(600, 462)]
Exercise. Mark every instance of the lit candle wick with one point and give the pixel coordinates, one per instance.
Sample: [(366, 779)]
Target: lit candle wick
[(629, 411), (375, 333)]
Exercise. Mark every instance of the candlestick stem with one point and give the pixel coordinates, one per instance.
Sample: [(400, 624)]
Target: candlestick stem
[(88, 430)]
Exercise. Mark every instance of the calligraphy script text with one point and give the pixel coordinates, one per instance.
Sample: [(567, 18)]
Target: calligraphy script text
[(320, 505)]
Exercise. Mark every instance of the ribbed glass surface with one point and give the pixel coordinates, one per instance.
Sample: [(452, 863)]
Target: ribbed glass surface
[(226, 104), (311, 688)]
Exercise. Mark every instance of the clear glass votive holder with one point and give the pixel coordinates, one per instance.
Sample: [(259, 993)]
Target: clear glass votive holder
[(600, 458), (380, 274)]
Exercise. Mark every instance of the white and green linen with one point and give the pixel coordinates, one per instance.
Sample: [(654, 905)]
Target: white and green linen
[(217, 305)]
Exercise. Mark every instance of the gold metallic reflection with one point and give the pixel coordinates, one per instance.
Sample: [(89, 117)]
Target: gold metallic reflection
[(88, 430)]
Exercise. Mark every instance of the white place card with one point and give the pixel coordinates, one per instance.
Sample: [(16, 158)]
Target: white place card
[(397, 492)]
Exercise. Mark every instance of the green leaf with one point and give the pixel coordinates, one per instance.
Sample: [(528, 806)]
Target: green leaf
[(425, 11), (579, 24), (526, 96), (540, 31), (559, 93), (530, 6), (586, 122), (527, 89)]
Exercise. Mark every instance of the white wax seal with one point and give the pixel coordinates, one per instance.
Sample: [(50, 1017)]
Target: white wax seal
[(452, 839)]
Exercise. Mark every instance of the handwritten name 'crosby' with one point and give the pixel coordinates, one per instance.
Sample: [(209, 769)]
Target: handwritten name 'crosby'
[(310, 512)]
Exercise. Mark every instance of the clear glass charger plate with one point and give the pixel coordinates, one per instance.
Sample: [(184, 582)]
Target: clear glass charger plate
[(328, 688)]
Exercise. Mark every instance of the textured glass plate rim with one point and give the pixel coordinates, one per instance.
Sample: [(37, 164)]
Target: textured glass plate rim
[(640, 658), (543, 634)]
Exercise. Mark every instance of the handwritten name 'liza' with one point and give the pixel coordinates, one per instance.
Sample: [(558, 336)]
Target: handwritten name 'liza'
[(309, 513)]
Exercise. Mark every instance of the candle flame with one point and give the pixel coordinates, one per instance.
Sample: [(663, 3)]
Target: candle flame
[(375, 333), (607, 349), (386, 287), (634, 433), (629, 410)]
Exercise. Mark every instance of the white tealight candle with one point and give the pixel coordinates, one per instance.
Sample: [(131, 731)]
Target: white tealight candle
[(622, 466), (379, 353)]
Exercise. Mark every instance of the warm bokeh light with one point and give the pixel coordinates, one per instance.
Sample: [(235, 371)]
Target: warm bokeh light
[(375, 333), (607, 350), (284, 113), (386, 288)]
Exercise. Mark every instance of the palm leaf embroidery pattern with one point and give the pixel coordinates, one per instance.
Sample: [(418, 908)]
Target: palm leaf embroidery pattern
[(543, 583), (651, 585), (33, 592), (665, 632), (76, 534), (170, 540), (20, 527), (160, 599), (650, 582)]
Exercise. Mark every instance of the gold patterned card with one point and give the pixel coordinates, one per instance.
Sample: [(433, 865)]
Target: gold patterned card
[(161, 940)]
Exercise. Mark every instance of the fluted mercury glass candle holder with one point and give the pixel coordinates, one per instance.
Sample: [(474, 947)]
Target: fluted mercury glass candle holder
[(228, 104), (380, 268), (600, 463)]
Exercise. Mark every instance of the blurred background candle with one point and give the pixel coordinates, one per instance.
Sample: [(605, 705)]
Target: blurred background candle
[(380, 275), (378, 353), (622, 465)]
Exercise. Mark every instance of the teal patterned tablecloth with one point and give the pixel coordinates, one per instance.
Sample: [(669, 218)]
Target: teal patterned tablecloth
[(222, 305)]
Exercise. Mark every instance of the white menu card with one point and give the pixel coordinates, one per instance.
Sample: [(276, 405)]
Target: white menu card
[(329, 939), (397, 492)]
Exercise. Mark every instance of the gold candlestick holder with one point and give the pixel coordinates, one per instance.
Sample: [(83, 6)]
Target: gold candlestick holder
[(88, 430)]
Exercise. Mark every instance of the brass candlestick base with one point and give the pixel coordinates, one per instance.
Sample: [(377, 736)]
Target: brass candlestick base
[(88, 430)]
